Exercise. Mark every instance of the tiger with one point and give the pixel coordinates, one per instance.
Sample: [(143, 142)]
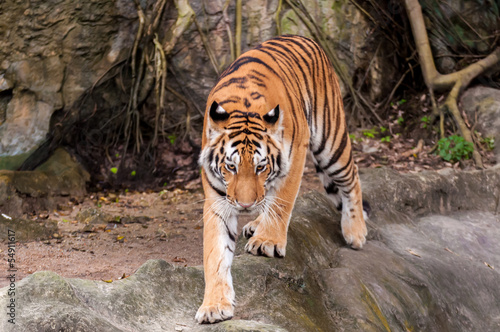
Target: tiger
[(271, 106)]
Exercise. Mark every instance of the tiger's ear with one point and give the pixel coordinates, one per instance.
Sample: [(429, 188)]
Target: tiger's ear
[(273, 115), (274, 120), (216, 115)]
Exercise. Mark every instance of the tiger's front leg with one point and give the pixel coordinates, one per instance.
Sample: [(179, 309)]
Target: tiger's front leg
[(219, 237), (268, 233)]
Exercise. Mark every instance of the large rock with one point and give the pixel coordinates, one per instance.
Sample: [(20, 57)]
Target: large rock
[(52, 51), (29, 191), (419, 271), (483, 103)]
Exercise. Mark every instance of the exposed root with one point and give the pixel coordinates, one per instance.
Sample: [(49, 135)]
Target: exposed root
[(416, 150), (456, 81)]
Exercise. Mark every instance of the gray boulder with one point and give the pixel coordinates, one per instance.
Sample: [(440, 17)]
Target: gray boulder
[(52, 182), (483, 103), (430, 265)]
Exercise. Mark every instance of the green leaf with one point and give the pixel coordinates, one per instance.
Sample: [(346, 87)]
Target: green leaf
[(114, 170), (172, 138), (454, 148)]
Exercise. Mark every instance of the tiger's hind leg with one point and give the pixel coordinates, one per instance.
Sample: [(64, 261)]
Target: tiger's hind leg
[(341, 182)]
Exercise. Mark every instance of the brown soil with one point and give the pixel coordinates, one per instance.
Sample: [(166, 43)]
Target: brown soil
[(166, 225), (162, 225)]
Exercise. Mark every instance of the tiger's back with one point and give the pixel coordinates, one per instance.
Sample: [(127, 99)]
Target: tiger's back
[(295, 73), (267, 109)]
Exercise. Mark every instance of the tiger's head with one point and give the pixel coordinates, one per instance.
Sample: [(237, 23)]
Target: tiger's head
[(242, 154)]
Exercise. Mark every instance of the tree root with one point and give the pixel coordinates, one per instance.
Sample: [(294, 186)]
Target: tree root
[(151, 69), (238, 27), (456, 81)]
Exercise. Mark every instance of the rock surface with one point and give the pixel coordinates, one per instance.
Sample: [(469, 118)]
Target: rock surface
[(52, 51), (431, 264), (483, 103), (27, 191)]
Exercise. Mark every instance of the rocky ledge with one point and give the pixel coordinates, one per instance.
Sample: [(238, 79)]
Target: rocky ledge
[(431, 264)]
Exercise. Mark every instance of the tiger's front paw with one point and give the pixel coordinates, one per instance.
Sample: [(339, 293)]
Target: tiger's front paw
[(249, 229), (214, 313), (259, 245), (355, 233)]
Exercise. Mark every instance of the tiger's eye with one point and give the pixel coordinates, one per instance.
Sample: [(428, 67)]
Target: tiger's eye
[(231, 167), (260, 168)]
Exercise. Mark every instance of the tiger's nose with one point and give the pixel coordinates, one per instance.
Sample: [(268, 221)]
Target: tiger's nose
[(245, 205)]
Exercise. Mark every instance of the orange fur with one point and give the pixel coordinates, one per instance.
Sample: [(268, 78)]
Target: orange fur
[(267, 109)]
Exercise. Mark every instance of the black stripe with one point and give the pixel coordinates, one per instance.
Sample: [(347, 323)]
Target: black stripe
[(332, 188), (257, 144), (318, 169), (235, 80), (243, 61), (232, 237), (338, 151), (218, 191), (232, 99), (333, 174)]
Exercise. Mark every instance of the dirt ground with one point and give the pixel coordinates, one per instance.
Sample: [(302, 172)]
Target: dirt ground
[(131, 228), (109, 235)]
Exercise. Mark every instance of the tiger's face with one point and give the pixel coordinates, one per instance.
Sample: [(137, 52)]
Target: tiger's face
[(242, 156)]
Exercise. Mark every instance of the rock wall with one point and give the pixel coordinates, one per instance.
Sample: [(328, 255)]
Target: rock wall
[(52, 51)]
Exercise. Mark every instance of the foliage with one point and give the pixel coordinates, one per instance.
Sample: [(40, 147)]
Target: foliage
[(114, 170), (370, 133), (489, 142), (399, 102), (374, 132), (425, 121), (353, 138), (454, 148), (172, 138)]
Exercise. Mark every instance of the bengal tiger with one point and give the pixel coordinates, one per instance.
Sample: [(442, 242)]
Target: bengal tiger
[(266, 110)]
